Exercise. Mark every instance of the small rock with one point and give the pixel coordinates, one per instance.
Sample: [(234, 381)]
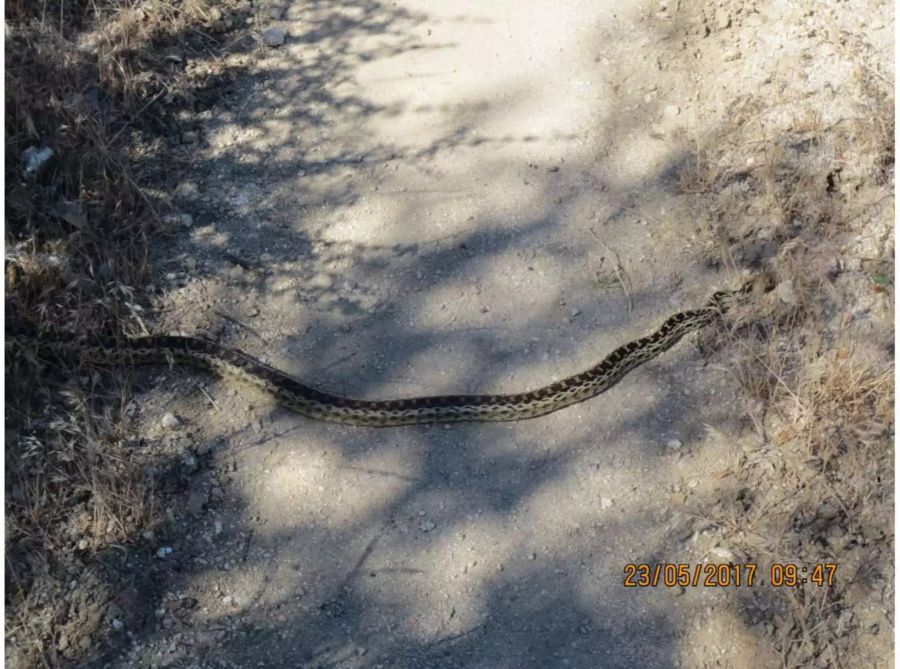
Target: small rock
[(217, 527), (34, 159), (671, 111), (785, 292), (71, 212), (163, 551), (723, 554), (828, 511), (427, 526), (170, 421), (273, 36), (190, 463), (723, 20), (83, 544), (186, 189), (117, 625), (196, 501), (674, 444), (276, 12), (149, 535), (605, 503)]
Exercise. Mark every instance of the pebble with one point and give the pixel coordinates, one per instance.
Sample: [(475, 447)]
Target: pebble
[(186, 189), (722, 554), (273, 36), (605, 503), (117, 625), (785, 292), (83, 544), (71, 212), (427, 526), (190, 463), (723, 20), (674, 444), (164, 551), (196, 501), (34, 159), (276, 12), (170, 421), (671, 110)]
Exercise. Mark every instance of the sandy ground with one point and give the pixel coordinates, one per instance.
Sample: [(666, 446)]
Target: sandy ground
[(436, 197)]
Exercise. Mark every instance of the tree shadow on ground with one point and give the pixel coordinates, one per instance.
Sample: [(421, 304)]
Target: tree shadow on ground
[(534, 611)]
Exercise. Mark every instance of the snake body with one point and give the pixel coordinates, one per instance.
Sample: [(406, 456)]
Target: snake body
[(317, 404)]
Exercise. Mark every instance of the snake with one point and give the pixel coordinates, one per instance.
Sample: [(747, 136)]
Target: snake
[(314, 403)]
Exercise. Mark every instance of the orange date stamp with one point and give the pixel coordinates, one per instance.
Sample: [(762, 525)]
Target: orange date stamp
[(710, 575)]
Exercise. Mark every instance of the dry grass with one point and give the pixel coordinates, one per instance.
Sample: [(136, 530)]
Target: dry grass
[(87, 79), (791, 193), (819, 487)]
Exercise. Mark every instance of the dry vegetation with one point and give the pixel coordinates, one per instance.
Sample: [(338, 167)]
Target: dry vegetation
[(94, 81), (814, 484)]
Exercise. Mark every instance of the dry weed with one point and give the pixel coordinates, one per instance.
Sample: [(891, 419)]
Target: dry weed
[(81, 79), (815, 360)]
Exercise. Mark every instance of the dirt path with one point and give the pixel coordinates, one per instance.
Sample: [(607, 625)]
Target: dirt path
[(421, 197)]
